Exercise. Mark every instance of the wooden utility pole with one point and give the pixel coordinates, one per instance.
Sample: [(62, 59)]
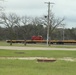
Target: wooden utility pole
[(48, 25)]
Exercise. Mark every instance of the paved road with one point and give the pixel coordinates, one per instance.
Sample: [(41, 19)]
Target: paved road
[(33, 48)]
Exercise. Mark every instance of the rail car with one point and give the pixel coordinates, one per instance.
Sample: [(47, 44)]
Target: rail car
[(39, 39), (43, 41)]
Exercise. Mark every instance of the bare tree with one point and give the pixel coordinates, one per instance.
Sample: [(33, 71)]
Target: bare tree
[(1, 7), (25, 21), (10, 21), (38, 26), (37, 21), (54, 23)]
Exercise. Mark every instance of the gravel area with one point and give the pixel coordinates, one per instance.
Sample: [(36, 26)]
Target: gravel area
[(35, 58), (33, 48)]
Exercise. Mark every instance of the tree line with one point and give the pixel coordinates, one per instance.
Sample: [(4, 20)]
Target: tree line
[(26, 32), (23, 28)]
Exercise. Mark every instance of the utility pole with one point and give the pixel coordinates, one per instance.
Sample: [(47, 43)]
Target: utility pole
[(48, 17), (63, 31)]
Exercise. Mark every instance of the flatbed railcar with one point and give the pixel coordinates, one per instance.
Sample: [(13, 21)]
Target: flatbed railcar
[(43, 41), (39, 39)]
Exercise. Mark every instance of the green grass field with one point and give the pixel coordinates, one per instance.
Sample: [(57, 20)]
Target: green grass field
[(32, 67), (27, 67), (37, 53)]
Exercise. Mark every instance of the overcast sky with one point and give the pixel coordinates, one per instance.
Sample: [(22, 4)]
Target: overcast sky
[(61, 8)]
